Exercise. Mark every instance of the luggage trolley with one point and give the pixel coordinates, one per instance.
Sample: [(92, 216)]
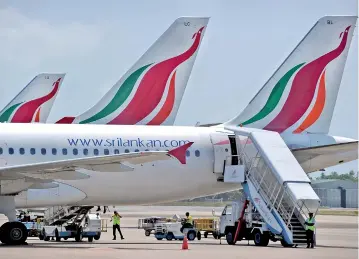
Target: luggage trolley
[(208, 226)]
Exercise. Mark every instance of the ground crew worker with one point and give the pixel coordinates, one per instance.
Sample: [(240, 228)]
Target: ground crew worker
[(116, 218), (310, 228), (188, 222)]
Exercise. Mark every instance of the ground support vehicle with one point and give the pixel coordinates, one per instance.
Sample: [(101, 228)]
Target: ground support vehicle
[(33, 228), (251, 225), (80, 225), (148, 224), (172, 230), (207, 226)]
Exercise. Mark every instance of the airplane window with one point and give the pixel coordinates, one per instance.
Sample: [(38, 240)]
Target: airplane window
[(43, 151), (22, 151), (95, 152), (64, 151), (127, 151), (0, 150), (86, 151), (196, 153), (106, 152), (32, 151), (11, 151), (136, 150), (54, 151), (75, 151), (147, 150), (117, 151), (188, 153)]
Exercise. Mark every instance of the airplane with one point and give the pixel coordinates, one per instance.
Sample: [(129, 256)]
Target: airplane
[(137, 164), (35, 101), (156, 82)]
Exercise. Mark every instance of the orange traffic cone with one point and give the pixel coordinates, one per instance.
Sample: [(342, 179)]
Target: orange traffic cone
[(185, 243)]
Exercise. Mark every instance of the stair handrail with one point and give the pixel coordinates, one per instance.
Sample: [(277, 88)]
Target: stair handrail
[(269, 202)]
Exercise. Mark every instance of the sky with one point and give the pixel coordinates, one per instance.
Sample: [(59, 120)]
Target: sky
[(96, 42)]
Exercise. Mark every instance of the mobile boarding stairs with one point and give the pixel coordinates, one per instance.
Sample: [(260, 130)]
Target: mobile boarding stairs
[(273, 181)]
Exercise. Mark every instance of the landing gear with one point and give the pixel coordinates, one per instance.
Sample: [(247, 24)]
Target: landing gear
[(12, 232)]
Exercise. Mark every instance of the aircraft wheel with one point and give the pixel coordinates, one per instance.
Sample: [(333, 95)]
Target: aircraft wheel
[(13, 233), (90, 239)]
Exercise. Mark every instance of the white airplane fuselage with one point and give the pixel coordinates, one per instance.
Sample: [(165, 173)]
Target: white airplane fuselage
[(154, 182)]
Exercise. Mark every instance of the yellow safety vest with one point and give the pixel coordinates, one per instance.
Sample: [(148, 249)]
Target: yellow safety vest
[(312, 228), (116, 220), (190, 220)]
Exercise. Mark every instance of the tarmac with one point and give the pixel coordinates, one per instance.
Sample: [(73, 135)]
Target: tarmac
[(337, 237)]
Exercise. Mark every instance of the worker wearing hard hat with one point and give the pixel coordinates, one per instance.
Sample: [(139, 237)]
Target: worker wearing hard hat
[(116, 218), (310, 228)]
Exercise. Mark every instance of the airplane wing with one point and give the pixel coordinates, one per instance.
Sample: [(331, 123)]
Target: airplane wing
[(68, 169), (317, 158), (327, 149)]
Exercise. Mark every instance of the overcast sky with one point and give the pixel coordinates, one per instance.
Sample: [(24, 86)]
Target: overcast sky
[(95, 42)]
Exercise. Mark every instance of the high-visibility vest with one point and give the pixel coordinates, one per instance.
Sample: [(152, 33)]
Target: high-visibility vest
[(312, 220), (116, 220), (190, 220)]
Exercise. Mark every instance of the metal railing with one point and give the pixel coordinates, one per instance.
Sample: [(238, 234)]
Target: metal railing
[(275, 195)]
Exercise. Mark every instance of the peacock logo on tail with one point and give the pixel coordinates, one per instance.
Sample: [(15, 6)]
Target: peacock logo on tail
[(27, 112), (303, 87), (150, 90)]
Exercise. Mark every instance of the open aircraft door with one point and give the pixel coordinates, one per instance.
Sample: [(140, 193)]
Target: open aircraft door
[(225, 151)]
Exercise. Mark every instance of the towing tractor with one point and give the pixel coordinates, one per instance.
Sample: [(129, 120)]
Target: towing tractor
[(241, 221), (172, 231)]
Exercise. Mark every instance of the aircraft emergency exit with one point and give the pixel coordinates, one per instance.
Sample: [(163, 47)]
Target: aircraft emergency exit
[(35, 101)]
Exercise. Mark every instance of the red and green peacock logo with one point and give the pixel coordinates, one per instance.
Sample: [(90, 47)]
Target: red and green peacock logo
[(27, 112), (149, 93), (301, 94)]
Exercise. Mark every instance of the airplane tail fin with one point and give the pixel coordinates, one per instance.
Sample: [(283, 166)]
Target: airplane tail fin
[(301, 94), (35, 101), (151, 91)]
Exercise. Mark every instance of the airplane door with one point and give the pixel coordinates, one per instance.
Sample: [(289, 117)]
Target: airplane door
[(234, 153), (225, 149)]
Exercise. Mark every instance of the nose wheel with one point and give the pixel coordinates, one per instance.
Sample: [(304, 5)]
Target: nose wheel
[(13, 233)]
